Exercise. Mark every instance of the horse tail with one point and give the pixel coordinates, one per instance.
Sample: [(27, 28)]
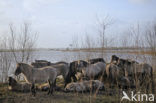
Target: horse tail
[(73, 70), (71, 73), (67, 79)]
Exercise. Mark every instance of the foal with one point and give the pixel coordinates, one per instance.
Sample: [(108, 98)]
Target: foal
[(20, 87)]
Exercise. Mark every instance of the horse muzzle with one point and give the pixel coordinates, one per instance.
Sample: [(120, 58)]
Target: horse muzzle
[(16, 73)]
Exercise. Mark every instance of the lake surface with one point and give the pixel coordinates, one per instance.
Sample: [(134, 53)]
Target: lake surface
[(55, 56)]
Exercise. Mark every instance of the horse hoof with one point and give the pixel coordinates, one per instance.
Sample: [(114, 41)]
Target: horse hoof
[(51, 94), (48, 93)]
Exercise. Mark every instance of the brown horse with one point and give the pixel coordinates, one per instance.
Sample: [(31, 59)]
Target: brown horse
[(141, 73), (113, 74), (73, 70), (20, 87)]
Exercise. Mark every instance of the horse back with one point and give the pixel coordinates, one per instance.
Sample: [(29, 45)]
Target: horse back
[(61, 62), (96, 60), (44, 74), (95, 69), (62, 68)]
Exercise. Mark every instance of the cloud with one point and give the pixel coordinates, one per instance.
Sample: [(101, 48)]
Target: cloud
[(4, 18), (3, 5), (33, 5), (140, 1)]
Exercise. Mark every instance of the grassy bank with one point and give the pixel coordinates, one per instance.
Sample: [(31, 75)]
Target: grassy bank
[(111, 50)]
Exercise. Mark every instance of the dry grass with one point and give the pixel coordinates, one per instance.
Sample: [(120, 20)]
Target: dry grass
[(108, 96), (58, 97), (113, 50), (7, 96)]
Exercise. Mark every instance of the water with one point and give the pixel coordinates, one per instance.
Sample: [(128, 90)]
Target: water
[(55, 56)]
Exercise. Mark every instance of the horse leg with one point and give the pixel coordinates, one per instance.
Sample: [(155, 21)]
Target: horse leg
[(67, 80), (55, 83), (33, 90), (74, 78), (51, 87)]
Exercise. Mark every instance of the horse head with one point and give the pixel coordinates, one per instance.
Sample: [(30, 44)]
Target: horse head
[(12, 81), (19, 68), (114, 59), (71, 87), (81, 64), (121, 63)]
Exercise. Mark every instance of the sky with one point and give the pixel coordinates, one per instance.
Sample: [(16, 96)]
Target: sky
[(58, 21)]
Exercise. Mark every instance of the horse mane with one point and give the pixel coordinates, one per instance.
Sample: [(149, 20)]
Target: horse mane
[(85, 63), (24, 64), (61, 62), (38, 61), (95, 60)]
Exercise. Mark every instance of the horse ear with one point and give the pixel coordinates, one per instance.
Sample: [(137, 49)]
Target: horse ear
[(129, 63), (9, 79), (78, 62), (17, 64), (117, 58)]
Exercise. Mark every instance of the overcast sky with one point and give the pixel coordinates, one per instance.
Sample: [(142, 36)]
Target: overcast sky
[(57, 21)]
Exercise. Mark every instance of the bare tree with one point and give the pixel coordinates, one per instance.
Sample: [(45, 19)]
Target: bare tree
[(75, 42), (23, 41), (124, 39), (135, 33), (89, 44), (151, 38), (12, 41), (5, 59), (102, 27)]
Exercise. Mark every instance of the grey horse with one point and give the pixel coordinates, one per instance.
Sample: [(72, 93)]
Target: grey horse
[(39, 75)]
